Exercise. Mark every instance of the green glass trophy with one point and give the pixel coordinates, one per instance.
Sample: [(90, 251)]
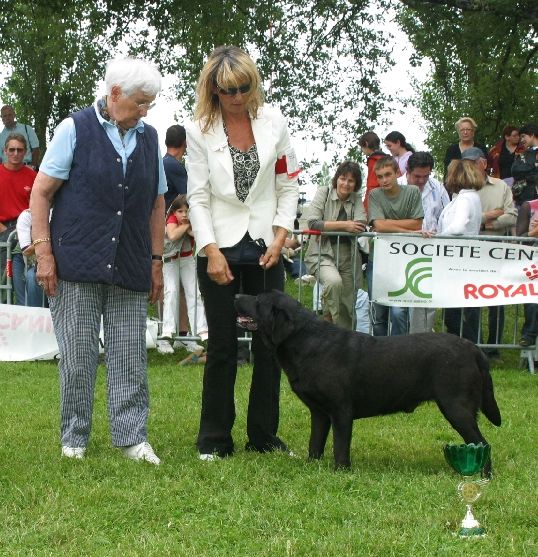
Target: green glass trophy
[(468, 460)]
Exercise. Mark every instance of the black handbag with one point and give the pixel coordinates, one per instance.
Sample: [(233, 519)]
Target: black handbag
[(246, 252)]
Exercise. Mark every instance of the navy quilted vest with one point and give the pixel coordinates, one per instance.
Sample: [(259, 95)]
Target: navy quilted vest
[(100, 223)]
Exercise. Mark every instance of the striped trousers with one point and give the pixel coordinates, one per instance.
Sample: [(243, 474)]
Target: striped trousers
[(76, 312)]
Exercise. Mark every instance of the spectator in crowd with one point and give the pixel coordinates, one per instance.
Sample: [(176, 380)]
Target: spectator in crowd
[(16, 181), (180, 265), (434, 200), (32, 294), (462, 216), (466, 128), (527, 225), (370, 145), (334, 260), (525, 166), (102, 254), (176, 181), (31, 156), (399, 148), (242, 194), (502, 155), (392, 208), (498, 217), (176, 175)]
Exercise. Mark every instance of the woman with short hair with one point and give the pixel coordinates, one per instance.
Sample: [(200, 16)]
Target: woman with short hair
[(335, 260), (466, 128)]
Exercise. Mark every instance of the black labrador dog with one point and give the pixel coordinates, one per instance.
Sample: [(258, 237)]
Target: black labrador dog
[(344, 375)]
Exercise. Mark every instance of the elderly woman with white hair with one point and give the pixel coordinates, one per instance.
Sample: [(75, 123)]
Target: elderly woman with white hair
[(466, 128), (101, 256)]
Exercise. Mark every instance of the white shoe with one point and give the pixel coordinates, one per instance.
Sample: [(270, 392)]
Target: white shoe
[(142, 451), (73, 452), (209, 457), (189, 345), (306, 279), (164, 347)]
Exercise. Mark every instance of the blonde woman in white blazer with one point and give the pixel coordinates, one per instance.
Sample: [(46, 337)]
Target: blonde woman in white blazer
[(242, 193)]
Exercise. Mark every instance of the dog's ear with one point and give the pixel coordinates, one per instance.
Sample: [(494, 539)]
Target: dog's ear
[(283, 324)]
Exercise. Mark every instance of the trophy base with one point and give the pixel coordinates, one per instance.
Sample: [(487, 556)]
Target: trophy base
[(474, 532)]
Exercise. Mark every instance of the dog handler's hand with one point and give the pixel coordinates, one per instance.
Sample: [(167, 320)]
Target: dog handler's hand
[(271, 256), (217, 266)]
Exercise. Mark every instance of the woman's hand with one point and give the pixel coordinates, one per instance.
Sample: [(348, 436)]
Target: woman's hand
[(218, 269), (271, 256), (353, 226)]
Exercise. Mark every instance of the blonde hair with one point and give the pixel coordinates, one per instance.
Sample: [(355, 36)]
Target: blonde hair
[(465, 119), (463, 175), (227, 66)]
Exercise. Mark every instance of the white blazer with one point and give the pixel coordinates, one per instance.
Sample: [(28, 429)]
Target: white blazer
[(216, 214)]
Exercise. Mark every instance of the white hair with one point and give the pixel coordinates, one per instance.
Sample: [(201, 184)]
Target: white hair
[(132, 75)]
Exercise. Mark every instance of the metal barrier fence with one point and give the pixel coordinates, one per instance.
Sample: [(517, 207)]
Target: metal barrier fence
[(504, 339)]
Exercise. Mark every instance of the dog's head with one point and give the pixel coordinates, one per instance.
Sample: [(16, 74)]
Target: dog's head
[(272, 314)]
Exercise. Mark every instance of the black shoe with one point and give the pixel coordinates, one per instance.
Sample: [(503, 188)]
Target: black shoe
[(525, 342), (276, 444)]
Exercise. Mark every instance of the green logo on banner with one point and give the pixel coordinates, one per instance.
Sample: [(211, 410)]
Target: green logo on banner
[(415, 272)]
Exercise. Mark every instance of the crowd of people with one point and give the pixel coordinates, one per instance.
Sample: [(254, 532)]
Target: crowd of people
[(108, 224)]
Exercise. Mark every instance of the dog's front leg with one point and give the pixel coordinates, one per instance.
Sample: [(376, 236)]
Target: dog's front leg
[(342, 427), (320, 424)]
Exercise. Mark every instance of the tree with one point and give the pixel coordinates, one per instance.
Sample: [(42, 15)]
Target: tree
[(484, 64), (55, 51), (319, 59)]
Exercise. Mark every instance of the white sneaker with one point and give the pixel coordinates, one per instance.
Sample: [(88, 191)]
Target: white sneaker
[(73, 452), (209, 457), (164, 347), (190, 345), (142, 451), (306, 279)]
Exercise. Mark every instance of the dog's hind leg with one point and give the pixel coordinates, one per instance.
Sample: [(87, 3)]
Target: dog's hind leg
[(342, 428), (320, 425), (464, 422)]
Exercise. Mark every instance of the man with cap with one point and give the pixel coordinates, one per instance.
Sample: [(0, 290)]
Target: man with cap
[(499, 215)]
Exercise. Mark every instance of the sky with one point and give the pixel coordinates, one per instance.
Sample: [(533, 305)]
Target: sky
[(397, 84)]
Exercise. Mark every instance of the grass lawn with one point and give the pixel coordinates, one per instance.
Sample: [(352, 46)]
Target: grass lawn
[(399, 499)]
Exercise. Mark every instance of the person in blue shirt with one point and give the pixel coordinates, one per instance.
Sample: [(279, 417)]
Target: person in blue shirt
[(101, 256), (176, 175)]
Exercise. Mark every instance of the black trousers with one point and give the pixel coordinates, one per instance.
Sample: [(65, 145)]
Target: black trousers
[(218, 408)]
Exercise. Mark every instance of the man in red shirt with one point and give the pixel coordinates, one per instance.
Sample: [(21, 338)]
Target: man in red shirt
[(16, 180)]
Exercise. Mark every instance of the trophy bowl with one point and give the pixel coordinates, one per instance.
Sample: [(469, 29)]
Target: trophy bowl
[(468, 460)]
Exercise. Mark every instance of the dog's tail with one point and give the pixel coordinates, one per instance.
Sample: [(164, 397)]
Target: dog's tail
[(489, 404)]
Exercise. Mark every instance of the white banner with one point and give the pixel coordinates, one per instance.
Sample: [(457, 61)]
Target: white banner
[(27, 333), (439, 272)]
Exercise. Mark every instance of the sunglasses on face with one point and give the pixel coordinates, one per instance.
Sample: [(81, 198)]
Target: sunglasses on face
[(15, 150), (232, 91)]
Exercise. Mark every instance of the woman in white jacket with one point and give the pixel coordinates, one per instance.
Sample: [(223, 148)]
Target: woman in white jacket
[(242, 193)]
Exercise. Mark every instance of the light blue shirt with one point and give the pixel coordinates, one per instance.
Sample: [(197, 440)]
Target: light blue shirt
[(434, 199), (59, 156), (27, 132)]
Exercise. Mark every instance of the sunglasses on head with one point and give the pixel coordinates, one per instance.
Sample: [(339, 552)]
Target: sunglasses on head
[(232, 91)]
